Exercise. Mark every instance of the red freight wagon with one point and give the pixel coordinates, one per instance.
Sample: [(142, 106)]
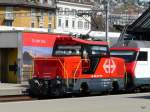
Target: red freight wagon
[(77, 66)]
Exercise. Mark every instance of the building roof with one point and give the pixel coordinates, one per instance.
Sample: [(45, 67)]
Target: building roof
[(142, 24), (132, 44), (27, 3)]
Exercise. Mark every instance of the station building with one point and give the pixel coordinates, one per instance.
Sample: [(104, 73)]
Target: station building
[(139, 29), (73, 16), (17, 49), (27, 14)]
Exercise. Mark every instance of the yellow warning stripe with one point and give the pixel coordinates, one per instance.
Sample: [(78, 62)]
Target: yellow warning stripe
[(65, 71)]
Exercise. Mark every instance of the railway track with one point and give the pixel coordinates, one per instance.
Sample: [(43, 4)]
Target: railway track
[(16, 98)]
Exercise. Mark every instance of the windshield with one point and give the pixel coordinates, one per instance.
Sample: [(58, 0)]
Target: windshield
[(97, 50), (129, 56), (67, 50), (77, 50)]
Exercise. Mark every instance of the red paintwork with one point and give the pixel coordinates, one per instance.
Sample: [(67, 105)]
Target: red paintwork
[(125, 48), (130, 66), (47, 40), (70, 40), (40, 39), (72, 66), (52, 66)]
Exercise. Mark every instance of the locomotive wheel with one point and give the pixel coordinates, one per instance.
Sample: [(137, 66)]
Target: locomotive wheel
[(33, 89), (84, 89), (58, 93), (115, 86)]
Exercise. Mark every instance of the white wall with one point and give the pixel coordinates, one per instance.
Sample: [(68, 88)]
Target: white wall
[(70, 18), (99, 35), (10, 28)]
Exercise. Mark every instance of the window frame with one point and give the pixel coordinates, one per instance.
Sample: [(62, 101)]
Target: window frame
[(80, 24), (66, 23), (59, 22)]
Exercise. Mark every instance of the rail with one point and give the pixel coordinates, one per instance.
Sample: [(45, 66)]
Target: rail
[(16, 98)]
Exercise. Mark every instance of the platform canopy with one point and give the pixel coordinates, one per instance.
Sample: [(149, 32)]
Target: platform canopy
[(142, 24), (139, 29)]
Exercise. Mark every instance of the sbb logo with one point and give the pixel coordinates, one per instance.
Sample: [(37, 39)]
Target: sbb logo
[(109, 66)]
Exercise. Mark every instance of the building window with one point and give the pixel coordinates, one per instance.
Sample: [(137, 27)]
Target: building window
[(41, 25), (80, 24), (66, 11), (73, 12), (80, 11), (73, 24), (9, 13), (33, 12), (59, 22), (45, 1), (8, 23), (41, 1), (86, 25), (9, 9), (49, 16), (88, 1), (33, 1), (60, 11), (50, 2), (66, 23), (32, 25), (49, 27), (41, 15), (143, 56)]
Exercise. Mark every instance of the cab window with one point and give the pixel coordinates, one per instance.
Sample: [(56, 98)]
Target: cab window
[(127, 55), (67, 50), (143, 56), (95, 50)]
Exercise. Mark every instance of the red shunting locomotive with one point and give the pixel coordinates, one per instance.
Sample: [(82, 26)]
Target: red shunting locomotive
[(77, 66)]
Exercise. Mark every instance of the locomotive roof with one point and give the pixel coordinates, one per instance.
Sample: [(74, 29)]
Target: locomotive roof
[(132, 44), (73, 40)]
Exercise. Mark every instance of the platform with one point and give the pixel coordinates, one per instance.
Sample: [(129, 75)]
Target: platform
[(7, 89)]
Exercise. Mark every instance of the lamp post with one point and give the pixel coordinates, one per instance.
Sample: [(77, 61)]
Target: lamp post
[(107, 19)]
